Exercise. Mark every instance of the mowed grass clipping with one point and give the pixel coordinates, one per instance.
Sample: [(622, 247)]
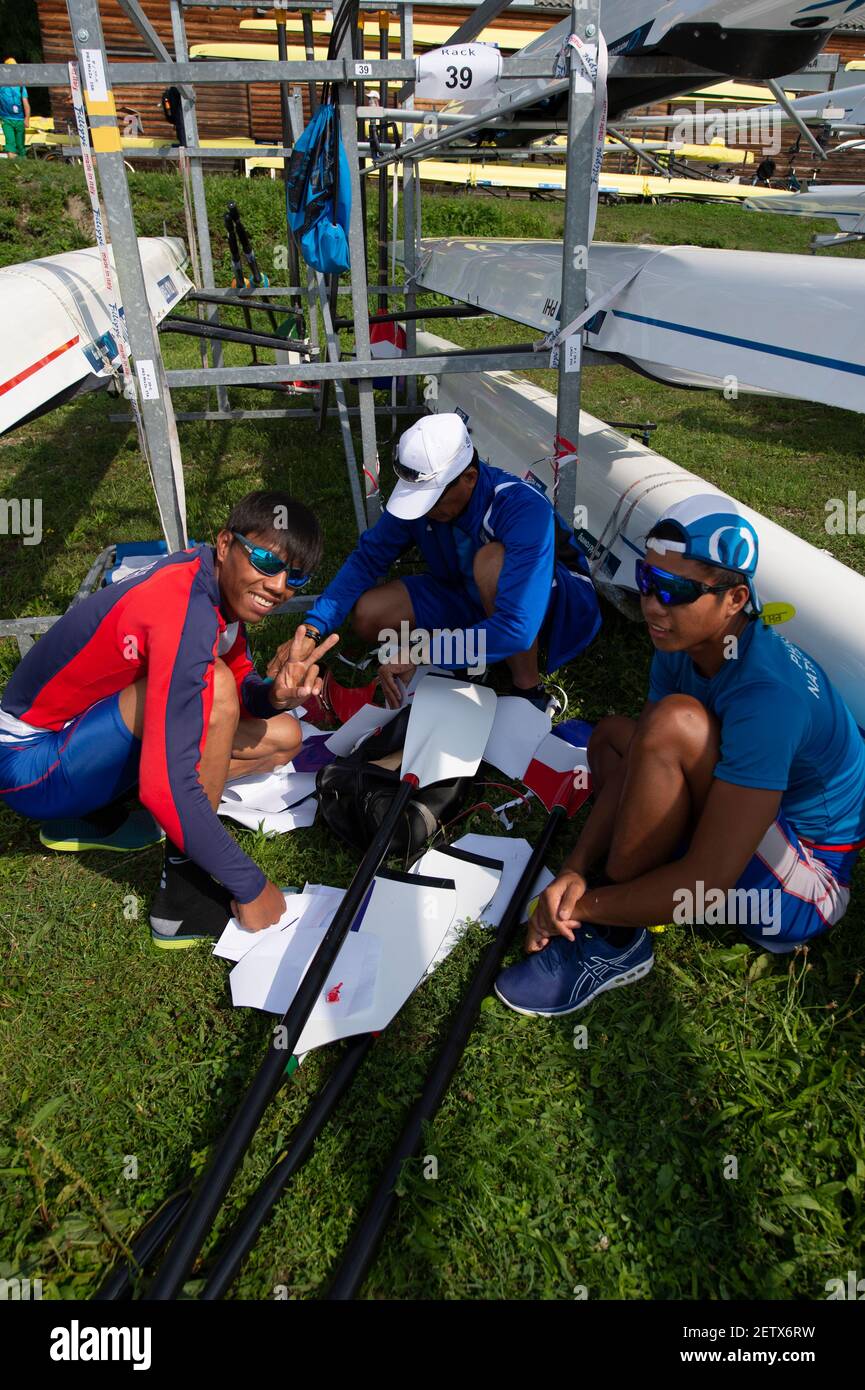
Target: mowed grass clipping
[(703, 1138)]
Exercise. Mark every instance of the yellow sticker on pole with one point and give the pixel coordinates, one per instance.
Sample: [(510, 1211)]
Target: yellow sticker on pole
[(100, 108), (106, 138)]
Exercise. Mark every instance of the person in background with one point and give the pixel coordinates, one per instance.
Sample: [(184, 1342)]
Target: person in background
[(14, 117)]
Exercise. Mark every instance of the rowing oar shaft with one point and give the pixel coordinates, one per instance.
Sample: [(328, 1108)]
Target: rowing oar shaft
[(217, 1180), (361, 1249), (196, 329), (149, 1241), (244, 1234)]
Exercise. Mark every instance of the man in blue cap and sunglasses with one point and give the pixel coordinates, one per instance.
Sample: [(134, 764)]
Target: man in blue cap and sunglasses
[(737, 798), (148, 686), (503, 571)]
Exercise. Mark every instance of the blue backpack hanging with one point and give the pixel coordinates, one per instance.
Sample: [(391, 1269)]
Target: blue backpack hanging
[(318, 194)]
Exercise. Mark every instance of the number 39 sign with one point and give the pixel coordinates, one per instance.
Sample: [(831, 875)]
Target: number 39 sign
[(464, 70)]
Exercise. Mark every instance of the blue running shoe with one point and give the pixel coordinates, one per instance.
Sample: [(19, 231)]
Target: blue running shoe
[(566, 975)]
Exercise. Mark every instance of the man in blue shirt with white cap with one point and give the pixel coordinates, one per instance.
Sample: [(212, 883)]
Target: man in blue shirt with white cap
[(737, 797), (502, 569)]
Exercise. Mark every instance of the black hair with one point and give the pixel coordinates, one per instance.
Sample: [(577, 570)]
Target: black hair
[(671, 531), (474, 462), (287, 526)]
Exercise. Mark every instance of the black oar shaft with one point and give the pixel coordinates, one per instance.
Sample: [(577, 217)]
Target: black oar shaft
[(149, 1241), (196, 328), (362, 1247), (243, 1235), (283, 1042)]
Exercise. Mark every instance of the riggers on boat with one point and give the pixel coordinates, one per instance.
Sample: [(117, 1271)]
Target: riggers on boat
[(623, 488)]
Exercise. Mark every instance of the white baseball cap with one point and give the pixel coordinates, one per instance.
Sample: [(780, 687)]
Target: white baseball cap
[(431, 453)]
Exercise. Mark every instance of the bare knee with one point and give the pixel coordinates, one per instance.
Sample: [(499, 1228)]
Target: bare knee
[(365, 618), (284, 731), (677, 724), (226, 703)]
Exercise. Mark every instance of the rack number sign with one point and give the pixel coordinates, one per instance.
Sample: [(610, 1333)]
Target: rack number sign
[(459, 69)]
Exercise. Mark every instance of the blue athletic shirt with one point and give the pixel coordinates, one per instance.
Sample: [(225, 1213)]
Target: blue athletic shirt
[(533, 585), (784, 727)]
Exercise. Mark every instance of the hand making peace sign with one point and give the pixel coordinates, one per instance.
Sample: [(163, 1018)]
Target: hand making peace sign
[(294, 669)]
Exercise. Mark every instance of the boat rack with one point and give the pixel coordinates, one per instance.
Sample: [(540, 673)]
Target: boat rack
[(353, 78)]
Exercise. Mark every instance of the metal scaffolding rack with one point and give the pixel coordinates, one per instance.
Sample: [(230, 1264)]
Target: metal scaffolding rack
[(351, 77)]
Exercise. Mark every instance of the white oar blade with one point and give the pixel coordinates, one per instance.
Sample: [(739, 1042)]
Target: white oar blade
[(448, 729)]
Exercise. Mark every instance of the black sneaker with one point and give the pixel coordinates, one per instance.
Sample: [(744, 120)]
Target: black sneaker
[(188, 905)]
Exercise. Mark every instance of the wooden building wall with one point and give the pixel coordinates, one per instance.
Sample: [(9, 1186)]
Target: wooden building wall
[(222, 110), (254, 110)]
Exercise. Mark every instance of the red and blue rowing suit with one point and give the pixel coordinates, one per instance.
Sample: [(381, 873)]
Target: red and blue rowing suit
[(64, 747)]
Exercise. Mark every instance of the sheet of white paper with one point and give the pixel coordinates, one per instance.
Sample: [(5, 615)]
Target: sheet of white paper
[(236, 940), (515, 854), (271, 822), (410, 922), (273, 793), (267, 976), (367, 718), (517, 730), (475, 886), (323, 888)]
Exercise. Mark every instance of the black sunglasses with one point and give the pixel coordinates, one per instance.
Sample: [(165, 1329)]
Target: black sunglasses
[(266, 562)]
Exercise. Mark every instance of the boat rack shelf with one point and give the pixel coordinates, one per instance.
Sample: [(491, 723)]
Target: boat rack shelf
[(99, 77)]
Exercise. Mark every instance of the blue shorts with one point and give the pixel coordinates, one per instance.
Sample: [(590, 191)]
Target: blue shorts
[(796, 891), (71, 771), (439, 605)]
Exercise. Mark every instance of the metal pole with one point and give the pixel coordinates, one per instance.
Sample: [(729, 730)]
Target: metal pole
[(317, 285), (409, 212), (585, 22), (293, 260), (154, 396), (781, 97), (199, 197), (383, 52), (309, 48), (360, 303), (295, 126)]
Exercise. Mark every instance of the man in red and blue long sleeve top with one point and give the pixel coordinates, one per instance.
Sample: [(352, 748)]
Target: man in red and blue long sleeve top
[(149, 682)]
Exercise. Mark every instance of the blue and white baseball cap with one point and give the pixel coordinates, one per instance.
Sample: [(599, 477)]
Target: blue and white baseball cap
[(712, 530)]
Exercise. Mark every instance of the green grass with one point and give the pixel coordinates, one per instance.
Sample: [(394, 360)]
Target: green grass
[(602, 1167)]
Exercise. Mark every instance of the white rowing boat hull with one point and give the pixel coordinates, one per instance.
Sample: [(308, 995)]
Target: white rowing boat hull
[(57, 336), (845, 202), (625, 488), (755, 321)]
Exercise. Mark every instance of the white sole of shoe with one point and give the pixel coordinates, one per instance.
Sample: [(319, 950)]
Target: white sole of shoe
[(628, 978)]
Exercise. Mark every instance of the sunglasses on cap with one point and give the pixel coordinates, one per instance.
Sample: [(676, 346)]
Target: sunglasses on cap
[(266, 562), (414, 475), (673, 590)]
